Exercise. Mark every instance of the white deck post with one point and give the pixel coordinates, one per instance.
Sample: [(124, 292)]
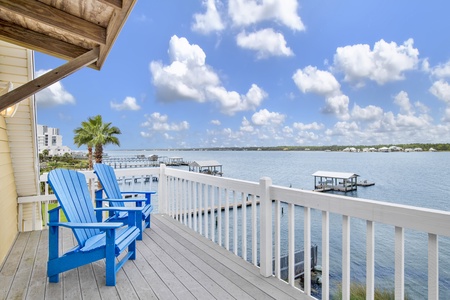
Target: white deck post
[(266, 227), (162, 192)]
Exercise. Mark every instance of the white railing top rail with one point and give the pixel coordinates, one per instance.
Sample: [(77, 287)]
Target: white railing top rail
[(405, 216)]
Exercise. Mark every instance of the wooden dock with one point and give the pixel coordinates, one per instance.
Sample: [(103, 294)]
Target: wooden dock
[(173, 262)]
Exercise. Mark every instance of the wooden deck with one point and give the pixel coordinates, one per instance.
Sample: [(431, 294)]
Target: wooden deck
[(173, 262)]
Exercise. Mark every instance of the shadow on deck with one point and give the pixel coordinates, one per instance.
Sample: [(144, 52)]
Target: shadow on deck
[(173, 262)]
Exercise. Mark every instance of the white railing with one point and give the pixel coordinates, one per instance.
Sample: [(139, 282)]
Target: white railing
[(190, 196), (248, 218)]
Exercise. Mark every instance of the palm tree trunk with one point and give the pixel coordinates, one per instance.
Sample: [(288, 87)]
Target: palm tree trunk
[(98, 153), (90, 157)]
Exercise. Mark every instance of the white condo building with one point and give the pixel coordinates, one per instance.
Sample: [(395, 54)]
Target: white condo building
[(50, 139)]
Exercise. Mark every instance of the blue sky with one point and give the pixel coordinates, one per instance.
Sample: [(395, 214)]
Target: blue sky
[(216, 73)]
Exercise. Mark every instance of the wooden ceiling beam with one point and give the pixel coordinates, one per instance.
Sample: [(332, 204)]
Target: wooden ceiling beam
[(115, 26), (115, 3), (48, 15), (36, 41), (32, 87)]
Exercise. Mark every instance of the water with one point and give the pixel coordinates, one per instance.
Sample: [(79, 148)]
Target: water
[(419, 179)]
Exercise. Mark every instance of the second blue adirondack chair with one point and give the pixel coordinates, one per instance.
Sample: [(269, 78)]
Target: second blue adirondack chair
[(114, 196), (95, 240)]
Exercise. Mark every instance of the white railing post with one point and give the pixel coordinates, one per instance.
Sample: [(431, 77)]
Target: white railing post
[(266, 227), (162, 190)]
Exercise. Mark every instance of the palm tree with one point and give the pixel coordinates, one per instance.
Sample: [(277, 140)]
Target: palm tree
[(95, 133), (84, 136), (106, 134)]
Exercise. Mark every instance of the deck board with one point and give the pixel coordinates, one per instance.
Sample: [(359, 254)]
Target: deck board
[(172, 262)]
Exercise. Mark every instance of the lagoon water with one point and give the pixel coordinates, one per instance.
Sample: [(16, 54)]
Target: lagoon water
[(418, 179)]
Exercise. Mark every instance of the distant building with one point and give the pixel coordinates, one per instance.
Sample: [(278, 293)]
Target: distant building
[(48, 138)]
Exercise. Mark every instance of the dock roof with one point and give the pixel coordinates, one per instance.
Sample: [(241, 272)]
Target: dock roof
[(340, 175), (205, 163)]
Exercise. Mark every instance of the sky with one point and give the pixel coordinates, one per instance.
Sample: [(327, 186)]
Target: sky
[(245, 73)]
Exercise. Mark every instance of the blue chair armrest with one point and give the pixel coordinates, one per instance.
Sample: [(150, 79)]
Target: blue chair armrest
[(125, 208), (139, 192), (122, 200), (101, 226)]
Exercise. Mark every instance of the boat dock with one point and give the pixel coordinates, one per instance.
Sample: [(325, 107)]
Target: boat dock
[(325, 181)]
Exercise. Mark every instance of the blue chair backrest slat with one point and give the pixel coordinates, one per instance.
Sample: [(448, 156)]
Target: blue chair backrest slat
[(107, 178), (73, 195)]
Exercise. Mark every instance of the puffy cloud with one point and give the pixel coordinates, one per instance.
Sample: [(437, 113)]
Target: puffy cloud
[(246, 125), (265, 42), (442, 70), (311, 80), (402, 100), (386, 62), (53, 95), (311, 126), (128, 104), (441, 89), (368, 113), (188, 77), (248, 12), (337, 105), (342, 128), (209, 21), (265, 117), (215, 122), (159, 122)]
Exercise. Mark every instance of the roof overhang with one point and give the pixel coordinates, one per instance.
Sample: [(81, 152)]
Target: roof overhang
[(79, 31)]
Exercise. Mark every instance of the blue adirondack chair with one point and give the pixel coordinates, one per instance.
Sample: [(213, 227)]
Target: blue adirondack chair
[(95, 240), (114, 196)]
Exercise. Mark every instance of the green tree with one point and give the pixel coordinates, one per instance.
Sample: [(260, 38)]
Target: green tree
[(84, 135), (95, 133)]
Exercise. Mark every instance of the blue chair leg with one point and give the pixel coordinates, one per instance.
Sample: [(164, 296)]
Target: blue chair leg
[(110, 258), (53, 251)]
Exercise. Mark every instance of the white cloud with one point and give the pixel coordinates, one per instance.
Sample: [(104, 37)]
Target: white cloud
[(441, 90), (311, 80), (265, 117), (248, 12), (265, 42), (386, 62), (215, 122), (128, 104), (157, 122), (368, 113), (402, 100), (310, 126), (338, 106), (246, 125), (209, 21), (53, 95), (441, 70), (188, 77)]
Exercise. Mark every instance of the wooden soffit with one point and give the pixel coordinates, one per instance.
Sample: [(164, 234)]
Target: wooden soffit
[(67, 29)]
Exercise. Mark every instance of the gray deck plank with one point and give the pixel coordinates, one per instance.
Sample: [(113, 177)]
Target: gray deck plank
[(38, 278), (240, 279), (197, 290), (172, 262), (22, 277), (270, 285), (218, 285), (159, 288), (169, 279), (9, 267)]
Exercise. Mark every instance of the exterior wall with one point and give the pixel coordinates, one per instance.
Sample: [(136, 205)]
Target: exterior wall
[(8, 199), (18, 152)]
